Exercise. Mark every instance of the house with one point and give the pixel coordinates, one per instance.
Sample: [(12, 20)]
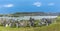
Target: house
[(45, 21), (31, 21)]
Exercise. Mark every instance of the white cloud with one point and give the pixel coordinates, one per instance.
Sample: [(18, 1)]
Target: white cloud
[(51, 4), (8, 5), (38, 4)]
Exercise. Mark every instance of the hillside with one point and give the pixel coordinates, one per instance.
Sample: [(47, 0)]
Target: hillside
[(17, 14), (33, 14)]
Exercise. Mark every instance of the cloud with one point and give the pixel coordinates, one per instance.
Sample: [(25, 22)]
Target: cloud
[(8, 5), (38, 4), (5, 6), (51, 4)]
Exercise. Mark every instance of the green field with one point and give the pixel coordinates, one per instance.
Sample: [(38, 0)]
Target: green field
[(52, 27)]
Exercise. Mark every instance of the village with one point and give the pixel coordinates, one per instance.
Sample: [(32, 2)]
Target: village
[(30, 21)]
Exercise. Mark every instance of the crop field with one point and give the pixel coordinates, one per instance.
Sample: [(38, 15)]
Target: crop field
[(51, 27)]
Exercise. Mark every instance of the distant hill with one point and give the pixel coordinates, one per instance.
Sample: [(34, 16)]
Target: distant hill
[(34, 14), (30, 13), (17, 14)]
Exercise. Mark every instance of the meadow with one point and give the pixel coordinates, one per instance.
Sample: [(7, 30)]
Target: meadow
[(51, 27)]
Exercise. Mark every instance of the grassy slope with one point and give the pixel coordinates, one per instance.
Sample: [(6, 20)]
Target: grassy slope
[(55, 27), (52, 27)]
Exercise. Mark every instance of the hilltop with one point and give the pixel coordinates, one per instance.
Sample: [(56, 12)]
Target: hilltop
[(17, 14)]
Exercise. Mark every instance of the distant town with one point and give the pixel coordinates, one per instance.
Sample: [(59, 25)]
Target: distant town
[(28, 19)]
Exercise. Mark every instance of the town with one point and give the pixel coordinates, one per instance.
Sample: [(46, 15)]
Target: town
[(27, 21)]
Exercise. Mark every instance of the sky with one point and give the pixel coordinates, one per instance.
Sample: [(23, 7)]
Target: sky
[(13, 6)]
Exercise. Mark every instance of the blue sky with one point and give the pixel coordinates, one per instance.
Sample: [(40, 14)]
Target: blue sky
[(12, 6)]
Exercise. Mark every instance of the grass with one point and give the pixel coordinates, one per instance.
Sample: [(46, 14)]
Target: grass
[(52, 27)]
